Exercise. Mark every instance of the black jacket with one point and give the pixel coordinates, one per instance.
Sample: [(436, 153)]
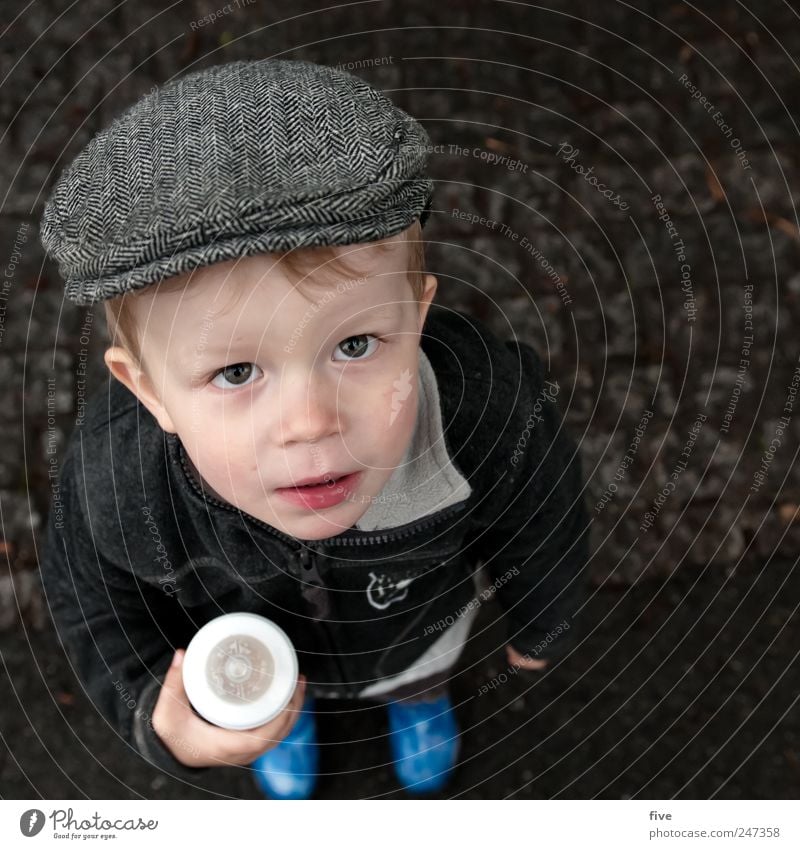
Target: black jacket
[(137, 557)]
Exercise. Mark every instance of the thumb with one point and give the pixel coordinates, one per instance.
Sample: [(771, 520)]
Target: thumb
[(172, 690)]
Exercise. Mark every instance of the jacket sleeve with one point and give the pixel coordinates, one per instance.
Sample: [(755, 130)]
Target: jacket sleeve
[(112, 626), (537, 546)]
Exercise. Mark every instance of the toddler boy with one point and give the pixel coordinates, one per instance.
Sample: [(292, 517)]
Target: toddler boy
[(244, 226)]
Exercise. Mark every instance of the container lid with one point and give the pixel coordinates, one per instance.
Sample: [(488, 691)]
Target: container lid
[(240, 671)]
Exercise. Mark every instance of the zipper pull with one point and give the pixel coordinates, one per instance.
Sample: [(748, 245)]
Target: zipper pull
[(313, 588)]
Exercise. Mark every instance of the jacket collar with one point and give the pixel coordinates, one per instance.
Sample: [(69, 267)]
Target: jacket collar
[(426, 480)]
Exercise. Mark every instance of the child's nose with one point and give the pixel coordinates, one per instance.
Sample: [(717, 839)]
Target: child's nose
[(308, 411)]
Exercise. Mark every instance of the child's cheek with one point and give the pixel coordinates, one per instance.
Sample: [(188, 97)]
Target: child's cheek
[(222, 454)]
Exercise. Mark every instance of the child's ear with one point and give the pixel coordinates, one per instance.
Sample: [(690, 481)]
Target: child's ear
[(122, 366), (426, 298)]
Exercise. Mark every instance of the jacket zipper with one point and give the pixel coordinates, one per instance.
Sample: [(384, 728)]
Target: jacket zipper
[(316, 594), (319, 598)]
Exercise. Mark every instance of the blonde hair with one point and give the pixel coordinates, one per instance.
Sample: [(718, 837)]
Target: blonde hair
[(121, 319)]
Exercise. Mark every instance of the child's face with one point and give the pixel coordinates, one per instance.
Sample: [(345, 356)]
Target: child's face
[(283, 386)]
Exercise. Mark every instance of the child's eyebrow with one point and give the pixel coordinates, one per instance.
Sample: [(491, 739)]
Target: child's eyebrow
[(332, 315), (207, 348), (379, 311)]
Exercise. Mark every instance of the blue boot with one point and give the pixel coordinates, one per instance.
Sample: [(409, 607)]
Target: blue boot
[(424, 740), (289, 771)]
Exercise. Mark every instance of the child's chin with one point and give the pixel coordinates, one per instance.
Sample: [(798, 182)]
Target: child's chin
[(327, 532), (318, 526)]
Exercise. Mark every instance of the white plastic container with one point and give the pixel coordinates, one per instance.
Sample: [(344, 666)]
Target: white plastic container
[(240, 671)]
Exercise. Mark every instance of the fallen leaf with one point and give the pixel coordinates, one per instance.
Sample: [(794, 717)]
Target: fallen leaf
[(776, 221), (714, 185), (497, 145)]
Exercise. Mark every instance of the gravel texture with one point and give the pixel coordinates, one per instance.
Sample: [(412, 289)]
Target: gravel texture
[(589, 274)]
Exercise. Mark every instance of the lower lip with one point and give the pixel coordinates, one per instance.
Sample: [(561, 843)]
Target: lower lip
[(322, 496)]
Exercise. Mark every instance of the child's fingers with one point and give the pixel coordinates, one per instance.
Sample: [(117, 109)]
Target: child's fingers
[(173, 708), (172, 691), (226, 746), (533, 665), (174, 720), (283, 723), (524, 661)]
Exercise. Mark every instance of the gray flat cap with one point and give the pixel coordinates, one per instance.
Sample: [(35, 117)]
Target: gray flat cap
[(237, 159)]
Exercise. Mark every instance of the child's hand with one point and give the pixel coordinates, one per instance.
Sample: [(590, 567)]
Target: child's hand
[(522, 661), (195, 742)]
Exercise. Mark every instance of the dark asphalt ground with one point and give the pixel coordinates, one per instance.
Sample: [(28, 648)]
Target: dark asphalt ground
[(685, 686), (682, 688)]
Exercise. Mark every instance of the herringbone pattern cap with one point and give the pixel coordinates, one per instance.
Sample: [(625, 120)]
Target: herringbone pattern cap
[(237, 159)]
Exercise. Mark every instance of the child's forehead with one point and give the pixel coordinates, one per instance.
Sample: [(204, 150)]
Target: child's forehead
[(352, 280), (221, 310)]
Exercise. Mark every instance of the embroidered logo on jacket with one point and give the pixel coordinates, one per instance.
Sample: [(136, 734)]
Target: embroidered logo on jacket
[(382, 591)]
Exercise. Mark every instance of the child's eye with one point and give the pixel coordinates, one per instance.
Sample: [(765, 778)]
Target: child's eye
[(239, 374), (356, 347)]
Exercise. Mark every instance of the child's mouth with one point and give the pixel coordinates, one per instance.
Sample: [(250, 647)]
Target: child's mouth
[(320, 495), (326, 482)]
